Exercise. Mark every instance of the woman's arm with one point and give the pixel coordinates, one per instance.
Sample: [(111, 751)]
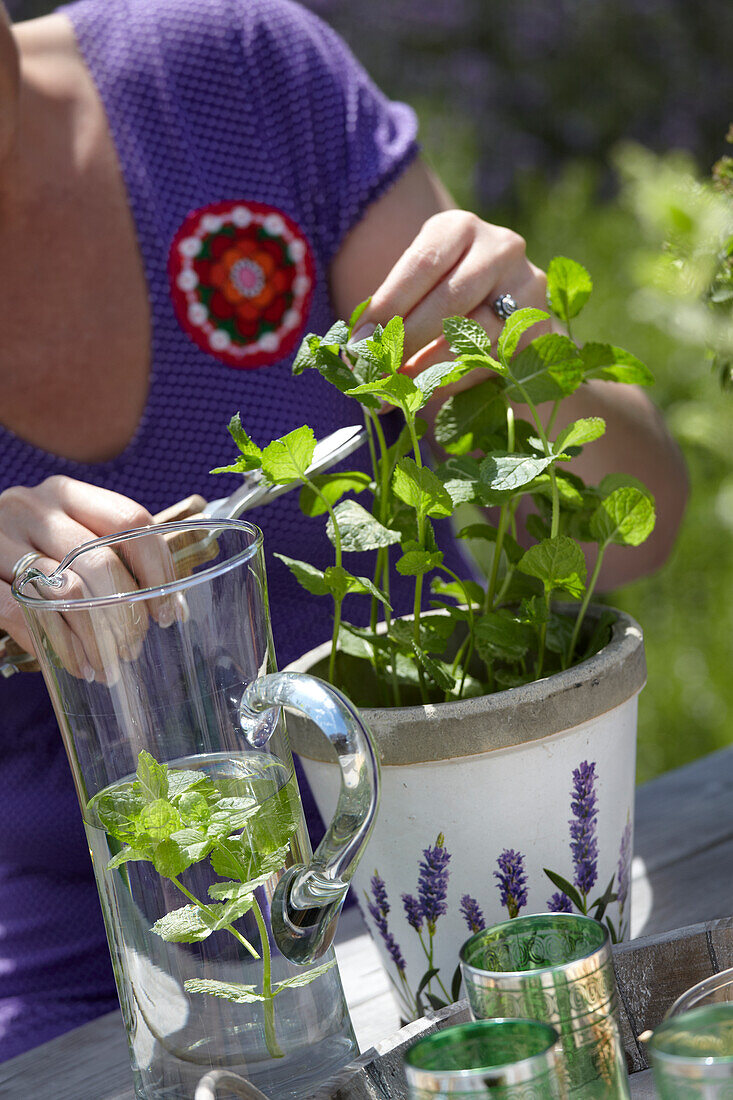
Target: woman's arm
[(419, 257)]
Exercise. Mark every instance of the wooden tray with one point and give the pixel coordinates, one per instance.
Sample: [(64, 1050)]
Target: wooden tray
[(650, 973)]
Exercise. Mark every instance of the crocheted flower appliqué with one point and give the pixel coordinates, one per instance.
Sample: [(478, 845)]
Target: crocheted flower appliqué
[(242, 276)]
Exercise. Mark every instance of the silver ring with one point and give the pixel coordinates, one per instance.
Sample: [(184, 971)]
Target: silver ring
[(504, 306), (22, 564)]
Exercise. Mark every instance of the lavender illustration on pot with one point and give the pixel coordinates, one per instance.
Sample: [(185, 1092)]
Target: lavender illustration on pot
[(422, 912), (512, 881), (584, 851)]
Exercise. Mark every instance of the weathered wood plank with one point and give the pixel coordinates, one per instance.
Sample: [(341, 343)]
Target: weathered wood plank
[(685, 811)]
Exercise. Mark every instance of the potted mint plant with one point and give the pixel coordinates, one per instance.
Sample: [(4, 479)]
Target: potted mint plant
[(505, 720)]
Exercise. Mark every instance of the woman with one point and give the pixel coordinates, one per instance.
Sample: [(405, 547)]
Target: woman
[(127, 129)]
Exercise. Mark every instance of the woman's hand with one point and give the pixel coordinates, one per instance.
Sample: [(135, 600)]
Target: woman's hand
[(52, 519), (456, 265)]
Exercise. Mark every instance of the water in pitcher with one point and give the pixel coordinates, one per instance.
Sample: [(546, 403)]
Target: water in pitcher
[(187, 856)]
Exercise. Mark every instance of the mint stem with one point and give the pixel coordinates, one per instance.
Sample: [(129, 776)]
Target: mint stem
[(205, 909), (268, 1004), (584, 605)]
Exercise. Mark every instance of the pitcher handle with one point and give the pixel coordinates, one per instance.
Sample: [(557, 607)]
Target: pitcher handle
[(308, 900)]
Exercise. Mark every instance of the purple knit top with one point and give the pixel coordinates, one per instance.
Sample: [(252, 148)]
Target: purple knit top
[(225, 113)]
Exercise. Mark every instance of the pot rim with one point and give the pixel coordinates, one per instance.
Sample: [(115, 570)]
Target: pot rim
[(505, 719)]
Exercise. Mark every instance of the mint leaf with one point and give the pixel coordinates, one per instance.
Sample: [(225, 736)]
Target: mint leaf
[(287, 459), (548, 369), (359, 529), (358, 311), (579, 433), (158, 820), (558, 563), (194, 844), (505, 473), (398, 389), (454, 591), (614, 364), (437, 671), (621, 481), (233, 813), (341, 583), (414, 563), (305, 357), (304, 978), (152, 777), (331, 487), (126, 856), (440, 374), (181, 781), (249, 450), (499, 634), (569, 287), (468, 417), (228, 991), (185, 925), (514, 329), (393, 343), (466, 337), (626, 517), (229, 891), (460, 476), (306, 575), (118, 811), (170, 859), (421, 489)]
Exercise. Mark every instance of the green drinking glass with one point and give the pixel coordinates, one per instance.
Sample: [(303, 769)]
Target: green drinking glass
[(692, 1054), (556, 968), (486, 1060)]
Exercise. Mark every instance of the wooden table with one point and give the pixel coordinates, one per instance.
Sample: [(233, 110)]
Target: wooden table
[(681, 876)]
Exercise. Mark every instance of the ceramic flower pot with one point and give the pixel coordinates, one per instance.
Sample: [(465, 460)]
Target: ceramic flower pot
[(520, 801)]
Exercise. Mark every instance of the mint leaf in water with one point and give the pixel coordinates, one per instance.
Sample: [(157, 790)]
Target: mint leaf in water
[(228, 991), (305, 978), (152, 777)]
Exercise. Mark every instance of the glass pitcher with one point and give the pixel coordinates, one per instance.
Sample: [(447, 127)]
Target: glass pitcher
[(156, 648)]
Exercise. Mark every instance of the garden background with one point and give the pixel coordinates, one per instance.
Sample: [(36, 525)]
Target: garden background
[(523, 107)]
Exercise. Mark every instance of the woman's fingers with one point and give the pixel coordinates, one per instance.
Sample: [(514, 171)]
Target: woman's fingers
[(457, 264), (55, 518)]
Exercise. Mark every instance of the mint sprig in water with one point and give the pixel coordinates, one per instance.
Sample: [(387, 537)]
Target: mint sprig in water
[(174, 819), (508, 632)]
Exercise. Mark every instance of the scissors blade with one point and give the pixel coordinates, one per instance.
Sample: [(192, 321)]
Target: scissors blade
[(258, 490)]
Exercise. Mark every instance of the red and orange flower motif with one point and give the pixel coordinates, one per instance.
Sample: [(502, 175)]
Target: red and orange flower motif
[(242, 277)]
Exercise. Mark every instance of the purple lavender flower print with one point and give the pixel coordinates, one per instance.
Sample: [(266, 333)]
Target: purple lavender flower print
[(432, 883), (413, 911), (471, 913), (378, 910), (511, 881), (559, 903), (624, 868), (583, 842), (379, 893)]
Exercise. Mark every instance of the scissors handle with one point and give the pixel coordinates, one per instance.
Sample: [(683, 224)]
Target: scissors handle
[(184, 546)]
